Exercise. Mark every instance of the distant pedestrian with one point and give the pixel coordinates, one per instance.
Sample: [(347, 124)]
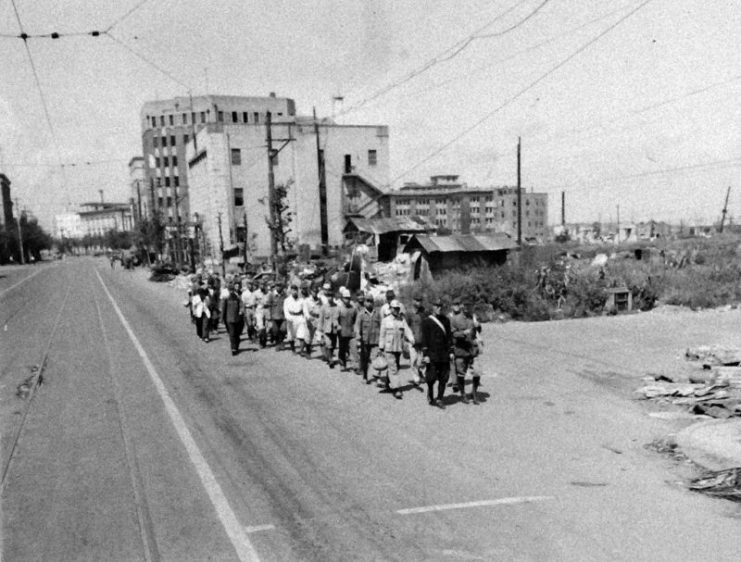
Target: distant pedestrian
[(232, 312), (368, 330), (249, 300), (414, 319), (293, 310), (437, 352), (346, 318), (200, 310), (261, 298), (277, 315), (329, 326), (393, 335), (312, 313), (462, 327), (386, 308)]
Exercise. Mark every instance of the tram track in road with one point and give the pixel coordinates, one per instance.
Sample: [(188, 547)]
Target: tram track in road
[(34, 386)]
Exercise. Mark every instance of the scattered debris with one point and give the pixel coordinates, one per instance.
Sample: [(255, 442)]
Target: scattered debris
[(666, 446), (588, 484), (724, 484), (714, 355), (612, 449)]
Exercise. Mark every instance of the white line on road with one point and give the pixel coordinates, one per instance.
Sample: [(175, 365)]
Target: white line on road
[(258, 528), (245, 550), (2, 294), (482, 503)]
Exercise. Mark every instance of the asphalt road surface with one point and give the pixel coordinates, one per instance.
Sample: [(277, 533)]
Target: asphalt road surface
[(144, 443)]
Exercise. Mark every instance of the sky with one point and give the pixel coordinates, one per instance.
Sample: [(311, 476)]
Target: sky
[(626, 103)]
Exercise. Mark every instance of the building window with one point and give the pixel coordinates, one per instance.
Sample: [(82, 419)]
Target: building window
[(174, 160), (244, 116), (169, 201), (157, 162), (160, 201), (165, 161), (185, 118), (235, 117), (186, 138), (167, 181), (238, 197), (172, 140), (176, 181), (237, 157), (256, 117), (155, 142), (193, 118), (203, 116), (220, 116), (372, 157), (172, 120), (162, 120), (164, 142)]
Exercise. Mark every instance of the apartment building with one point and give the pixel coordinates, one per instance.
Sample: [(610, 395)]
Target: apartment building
[(450, 204), (228, 177)]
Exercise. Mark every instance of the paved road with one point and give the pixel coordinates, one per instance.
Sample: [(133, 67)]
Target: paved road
[(144, 443)]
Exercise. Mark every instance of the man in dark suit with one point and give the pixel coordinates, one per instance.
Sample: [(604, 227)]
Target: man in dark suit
[(437, 344), (233, 314)]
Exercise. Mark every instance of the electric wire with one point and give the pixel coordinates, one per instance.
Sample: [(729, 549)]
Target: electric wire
[(126, 15), (441, 57), (524, 90)]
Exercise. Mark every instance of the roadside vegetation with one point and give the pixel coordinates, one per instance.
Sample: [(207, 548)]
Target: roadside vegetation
[(570, 281)]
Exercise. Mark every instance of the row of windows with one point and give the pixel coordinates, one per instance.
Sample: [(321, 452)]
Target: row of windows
[(194, 118), (167, 181), (165, 161), (162, 141)]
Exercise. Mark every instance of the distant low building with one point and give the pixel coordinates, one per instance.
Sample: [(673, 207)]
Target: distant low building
[(440, 253), (98, 218), (450, 204), (384, 236), (68, 225)]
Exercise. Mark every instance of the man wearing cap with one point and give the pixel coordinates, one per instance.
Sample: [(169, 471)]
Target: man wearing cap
[(293, 310), (277, 315), (325, 293), (312, 312), (386, 308), (347, 316), (261, 296), (249, 300), (394, 332), (461, 325), (437, 352), (329, 326), (367, 329), (233, 314)]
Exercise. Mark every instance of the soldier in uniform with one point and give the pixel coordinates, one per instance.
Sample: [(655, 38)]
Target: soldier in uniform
[(347, 316), (437, 351), (464, 333), (367, 330), (394, 332)]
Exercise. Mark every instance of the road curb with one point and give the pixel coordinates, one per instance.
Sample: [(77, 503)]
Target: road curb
[(714, 445)]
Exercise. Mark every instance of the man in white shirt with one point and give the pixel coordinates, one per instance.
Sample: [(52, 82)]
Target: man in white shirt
[(249, 299), (293, 309)]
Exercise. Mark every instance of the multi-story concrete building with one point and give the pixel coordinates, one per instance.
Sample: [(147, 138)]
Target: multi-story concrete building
[(68, 225), (228, 176), (138, 190), (450, 204), (98, 218)]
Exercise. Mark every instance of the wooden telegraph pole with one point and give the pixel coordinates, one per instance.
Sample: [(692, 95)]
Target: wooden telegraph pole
[(519, 195), (725, 211), (322, 190), (221, 249), (271, 190), (20, 233)]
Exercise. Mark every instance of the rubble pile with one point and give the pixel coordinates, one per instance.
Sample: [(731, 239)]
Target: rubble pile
[(714, 390)]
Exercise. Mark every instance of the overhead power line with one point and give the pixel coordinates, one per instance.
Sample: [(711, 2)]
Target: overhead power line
[(126, 15), (447, 54), (147, 60), (524, 90)]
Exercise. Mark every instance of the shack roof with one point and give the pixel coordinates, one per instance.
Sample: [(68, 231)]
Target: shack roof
[(462, 243), (385, 225)]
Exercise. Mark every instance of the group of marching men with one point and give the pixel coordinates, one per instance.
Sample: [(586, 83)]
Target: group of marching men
[(305, 318)]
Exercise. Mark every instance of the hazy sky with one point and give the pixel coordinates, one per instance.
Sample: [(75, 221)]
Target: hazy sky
[(646, 117)]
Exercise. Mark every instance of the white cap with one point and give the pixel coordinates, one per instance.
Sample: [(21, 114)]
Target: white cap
[(344, 292), (395, 304)]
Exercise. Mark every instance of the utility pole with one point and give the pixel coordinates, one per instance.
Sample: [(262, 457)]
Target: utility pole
[(246, 239), (271, 190), (20, 233), (221, 248), (725, 210), (322, 190), (563, 209), (178, 239), (618, 225), (519, 194)]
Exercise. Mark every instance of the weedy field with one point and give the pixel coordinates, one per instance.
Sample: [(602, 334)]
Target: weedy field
[(571, 280)]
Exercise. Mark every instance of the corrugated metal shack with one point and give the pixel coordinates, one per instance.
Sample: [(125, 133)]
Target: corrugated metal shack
[(383, 236), (440, 253)]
